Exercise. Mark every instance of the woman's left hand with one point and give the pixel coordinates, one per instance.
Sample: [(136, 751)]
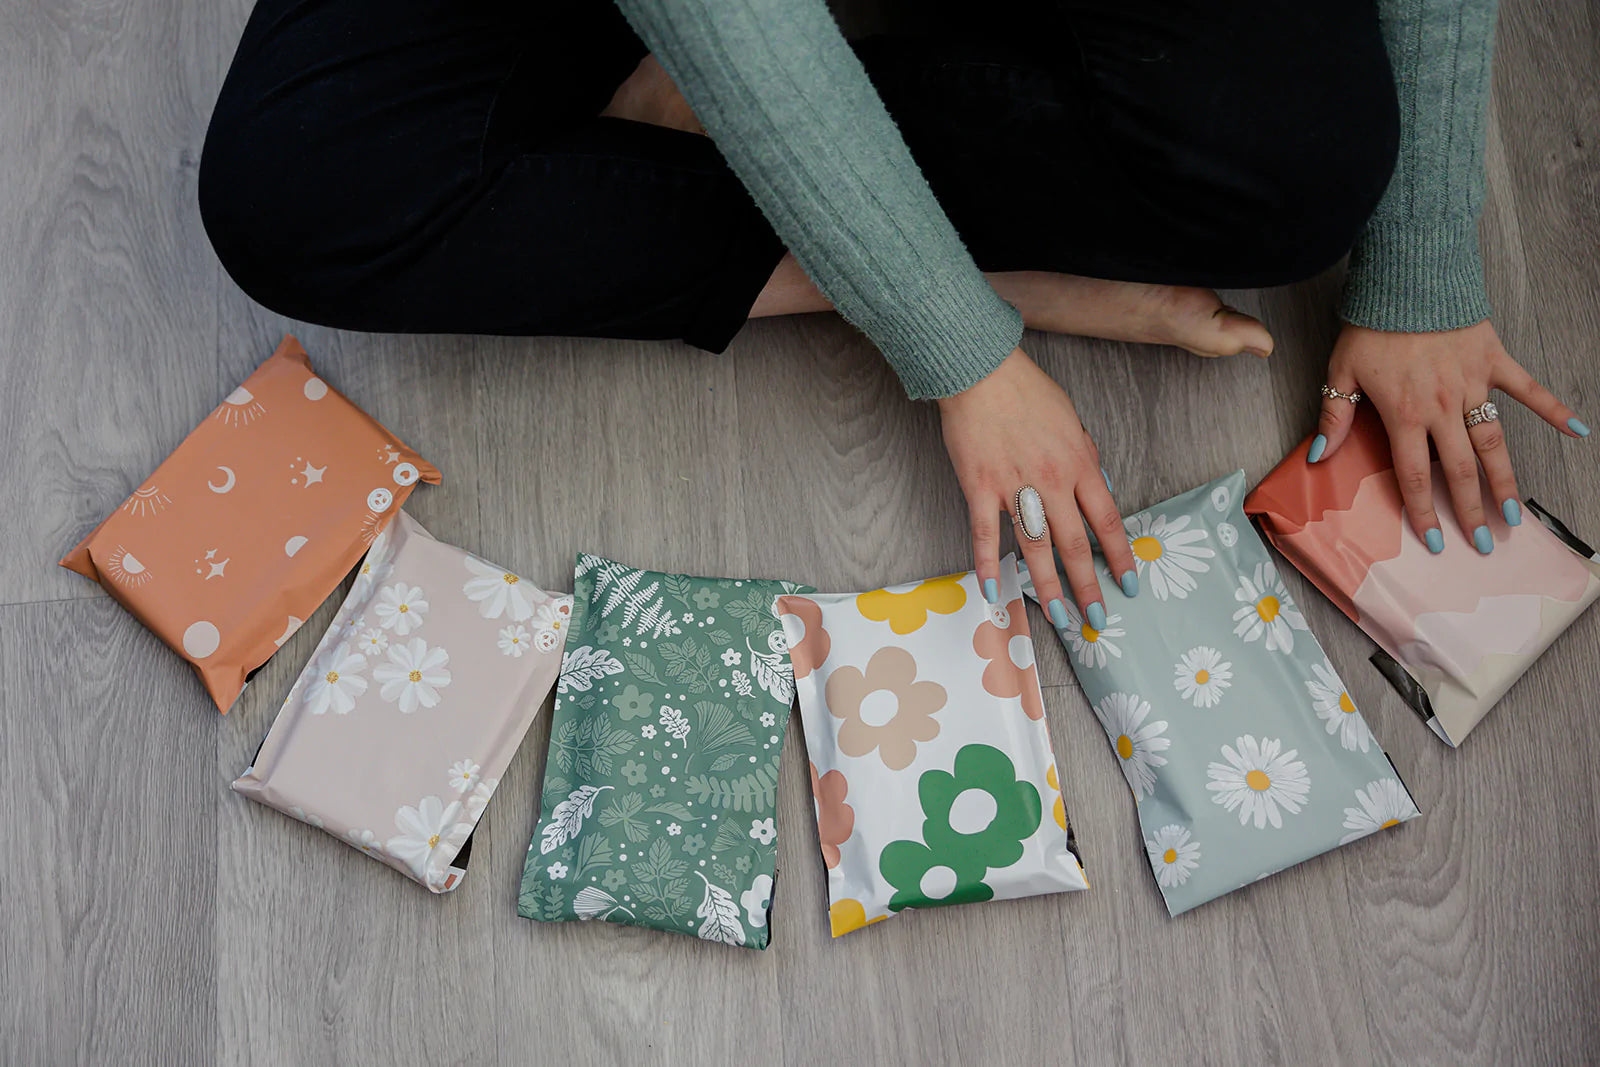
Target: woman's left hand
[(1423, 384)]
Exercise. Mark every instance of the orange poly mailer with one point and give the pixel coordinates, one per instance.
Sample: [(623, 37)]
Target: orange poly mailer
[(256, 517)]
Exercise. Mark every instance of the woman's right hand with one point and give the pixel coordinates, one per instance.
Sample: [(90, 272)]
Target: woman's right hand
[(1018, 427)]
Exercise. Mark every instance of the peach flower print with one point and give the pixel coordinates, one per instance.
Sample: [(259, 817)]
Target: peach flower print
[(811, 651), (1011, 671), (885, 708), (908, 611), (836, 820)]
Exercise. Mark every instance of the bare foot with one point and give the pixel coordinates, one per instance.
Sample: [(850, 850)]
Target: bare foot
[(1195, 320), (649, 95)]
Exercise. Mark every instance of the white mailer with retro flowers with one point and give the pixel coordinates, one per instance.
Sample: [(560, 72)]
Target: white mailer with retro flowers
[(1243, 749), (398, 730), (931, 766)]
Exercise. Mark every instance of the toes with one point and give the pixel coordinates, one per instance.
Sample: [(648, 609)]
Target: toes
[(1201, 323)]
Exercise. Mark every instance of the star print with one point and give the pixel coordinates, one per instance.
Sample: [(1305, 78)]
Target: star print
[(390, 455), (312, 474), (211, 554), (216, 568)]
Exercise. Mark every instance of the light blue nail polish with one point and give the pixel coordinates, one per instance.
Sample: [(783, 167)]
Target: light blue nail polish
[(1130, 584), (1096, 614), (1577, 427), (1319, 445), (1513, 512), (1435, 541), (1107, 477), (991, 590), (1484, 540), (1058, 614)]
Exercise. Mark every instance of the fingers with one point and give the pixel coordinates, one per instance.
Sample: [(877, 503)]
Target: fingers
[(1338, 415), (1460, 465), (1516, 382), (1413, 469), (1077, 557), (1042, 568), (986, 545), (1094, 500), (1489, 441)]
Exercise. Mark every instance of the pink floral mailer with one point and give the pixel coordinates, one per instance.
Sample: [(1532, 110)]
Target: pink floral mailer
[(397, 732)]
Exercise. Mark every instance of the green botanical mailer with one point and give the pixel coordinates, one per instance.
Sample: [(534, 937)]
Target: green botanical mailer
[(660, 790)]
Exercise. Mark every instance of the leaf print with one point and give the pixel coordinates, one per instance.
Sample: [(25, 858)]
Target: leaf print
[(719, 729), (639, 602), (672, 808), (730, 836), (719, 915), (722, 871), (587, 747), (595, 903), (725, 761), (754, 612), (666, 626), (621, 580), (623, 811), (644, 668), (556, 786), (754, 792), (679, 587), (741, 683), (659, 864), (673, 721), (583, 666), (688, 662), (720, 637), (593, 851), (567, 818), (773, 672)]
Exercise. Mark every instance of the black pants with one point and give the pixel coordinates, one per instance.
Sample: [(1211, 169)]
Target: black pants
[(441, 166)]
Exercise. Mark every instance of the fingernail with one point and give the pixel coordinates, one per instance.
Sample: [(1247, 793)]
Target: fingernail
[(1096, 613), (1577, 427), (1130, 584), (1435, 541), (1319, 445), (1484, 540), (991, 590), (1058, 614), (1107, 477), (1513, 512)]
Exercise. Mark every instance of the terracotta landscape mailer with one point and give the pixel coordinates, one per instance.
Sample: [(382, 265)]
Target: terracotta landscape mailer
[(1243, 750), (931, 766), (1461, 627), (244, 530), (397, 732)]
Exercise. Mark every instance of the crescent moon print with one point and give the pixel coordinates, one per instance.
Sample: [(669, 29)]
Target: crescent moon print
[(228, 481), (241, 408), (146, 501), (288, 632), (125, 568)]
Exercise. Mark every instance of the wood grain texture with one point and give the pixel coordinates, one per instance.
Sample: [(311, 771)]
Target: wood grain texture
[(149, 915)]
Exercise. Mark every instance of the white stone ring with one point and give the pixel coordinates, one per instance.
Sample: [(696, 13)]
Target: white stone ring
[(1028, 507), (1484, 412)]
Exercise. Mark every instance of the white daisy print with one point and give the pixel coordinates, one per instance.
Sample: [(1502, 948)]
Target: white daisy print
[(1267, 610), (413, 675), (496, 592), (306, 817), (550, 624), (1335, 708), (1384, 803), (1200, 676), (430, 836), (1123, 717), (366, 841), (1174, 855), (463, 775), (1258, 779), (515, 640), (478, 799), (375, 569), (374, 642), (401, 608), (1090, 646), (336, 683), (1170, 552)]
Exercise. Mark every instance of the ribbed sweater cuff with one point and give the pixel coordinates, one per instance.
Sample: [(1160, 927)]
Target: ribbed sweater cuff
[(949, 339), (1411, 278)]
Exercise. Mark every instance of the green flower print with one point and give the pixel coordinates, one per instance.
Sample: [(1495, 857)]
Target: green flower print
[(706, 599), (743, 863), (976, 821), (614, 880), (634, 772), (633, 704), (658, 791), (608, 633), (693, 844)]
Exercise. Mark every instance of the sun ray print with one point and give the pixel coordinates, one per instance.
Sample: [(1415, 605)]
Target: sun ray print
[(147, 500), (126, 569), (241, 408)]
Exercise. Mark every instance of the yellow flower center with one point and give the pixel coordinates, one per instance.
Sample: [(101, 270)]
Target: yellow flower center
[(1346, 705), (1202, 676), (331, 677), (1267, 608), (1089, 632), (511, 579), (1170, 856), (1258, 781), (1125, 747), (1147, 548), (1388, 823), (433, 841), (415, 676), (404, 608)]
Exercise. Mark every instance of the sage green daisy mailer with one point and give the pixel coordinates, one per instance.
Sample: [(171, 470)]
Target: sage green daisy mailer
[(1243, 749), (660, 793)]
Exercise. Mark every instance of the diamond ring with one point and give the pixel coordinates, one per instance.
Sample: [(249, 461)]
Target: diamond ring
[(1484, 412), (1028, 508), (1333, 394)]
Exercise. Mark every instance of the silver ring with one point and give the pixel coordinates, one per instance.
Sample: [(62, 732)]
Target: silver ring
[(1484, 412), (1027, 507), (1333, 394)]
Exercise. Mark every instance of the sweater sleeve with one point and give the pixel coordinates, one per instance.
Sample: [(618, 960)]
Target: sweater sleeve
[(1416, 266), (791, 109)]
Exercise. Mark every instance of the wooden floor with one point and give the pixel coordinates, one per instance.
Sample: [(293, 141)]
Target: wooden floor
[(147, 915)]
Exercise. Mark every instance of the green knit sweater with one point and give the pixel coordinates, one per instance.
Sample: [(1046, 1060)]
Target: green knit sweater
[(788, 104)]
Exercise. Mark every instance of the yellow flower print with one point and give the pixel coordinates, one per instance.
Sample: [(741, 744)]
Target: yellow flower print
[(848, 915), (908, 611), (1060, 810)]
